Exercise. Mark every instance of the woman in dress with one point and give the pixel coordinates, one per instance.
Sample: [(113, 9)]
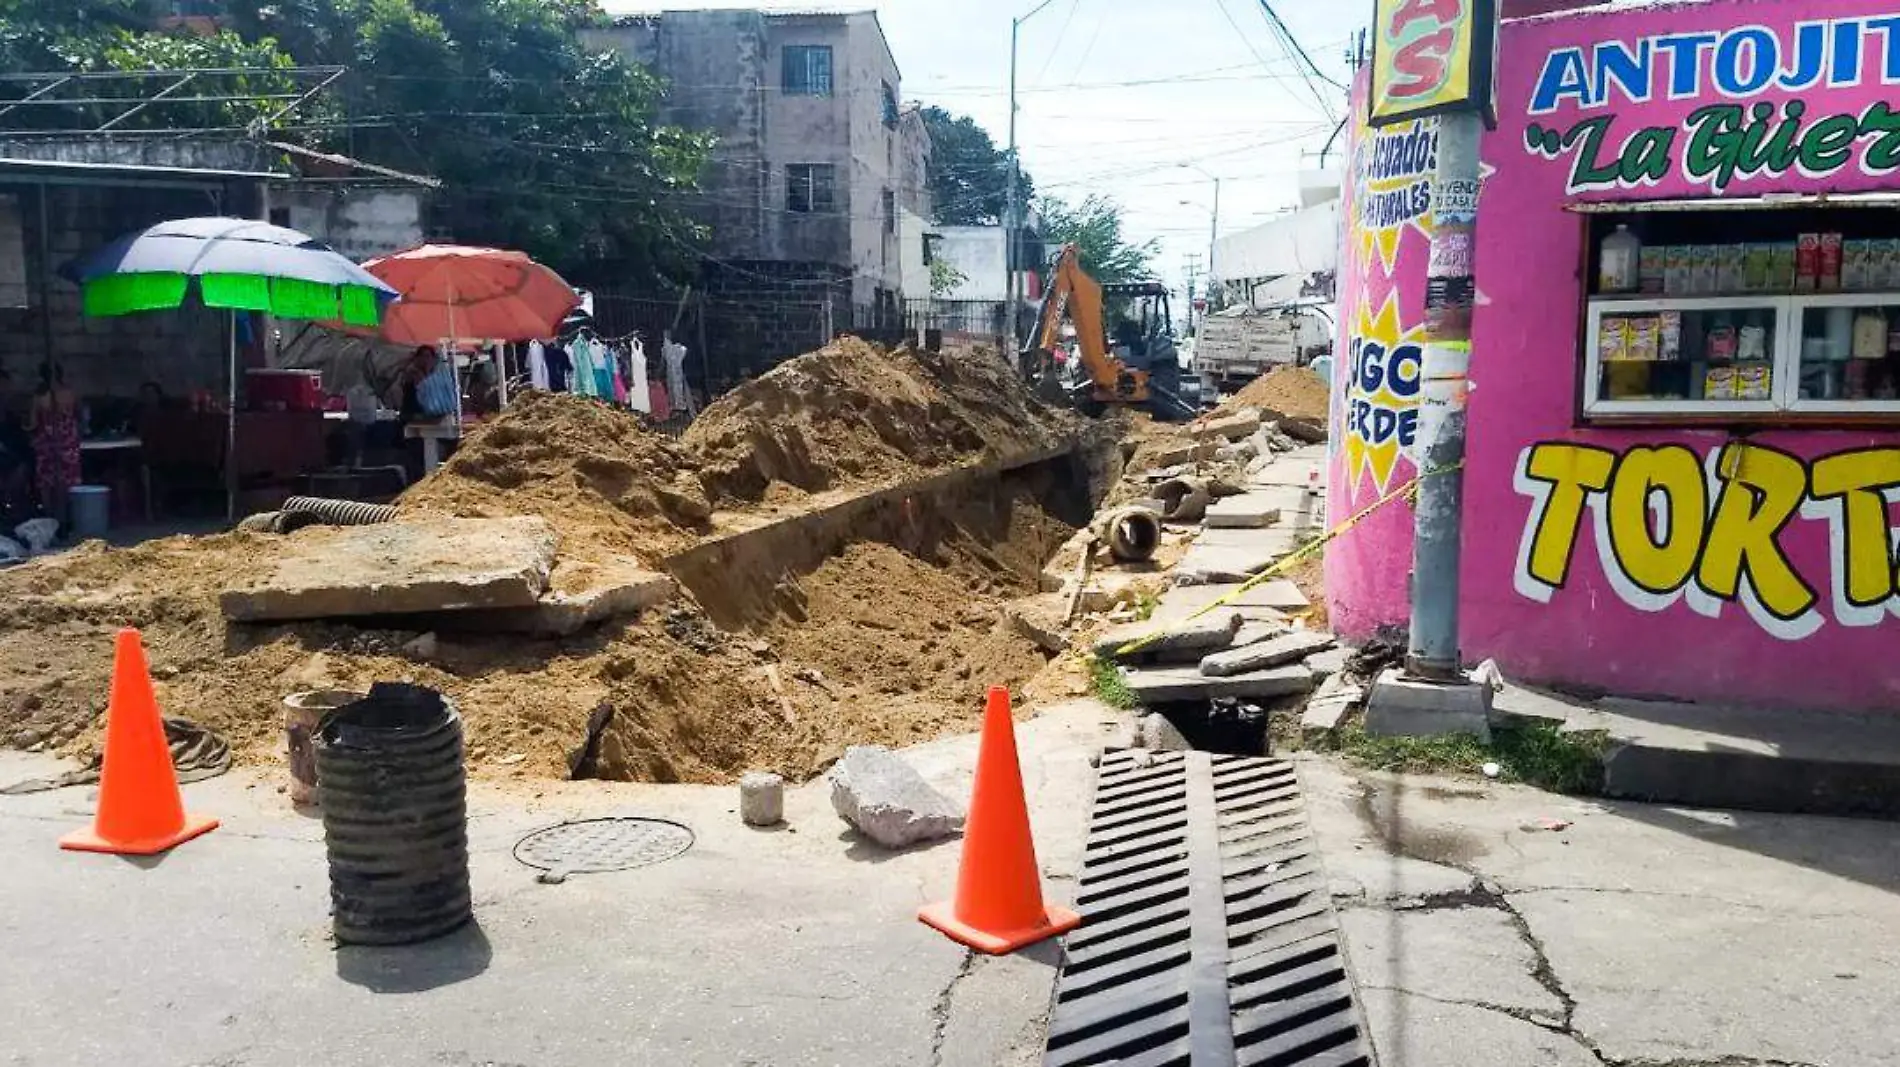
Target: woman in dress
[(54, 423)]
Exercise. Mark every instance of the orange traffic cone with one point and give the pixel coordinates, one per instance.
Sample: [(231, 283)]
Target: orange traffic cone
[(140, 812), (999, 905)]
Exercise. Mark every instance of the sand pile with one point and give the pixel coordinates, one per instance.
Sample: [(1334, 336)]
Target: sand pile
[(1294, 392), (885, 643), (852, 415)]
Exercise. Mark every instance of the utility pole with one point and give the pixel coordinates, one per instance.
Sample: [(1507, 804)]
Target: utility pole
[(1440, 455), (1213, 238), (1012, 212), (1191, 266)]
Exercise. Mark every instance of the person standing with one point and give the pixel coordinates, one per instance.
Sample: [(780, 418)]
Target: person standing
[(54, 424)]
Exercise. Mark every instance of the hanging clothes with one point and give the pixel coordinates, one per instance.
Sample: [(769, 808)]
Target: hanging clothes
[(619, 363), (537, 365), (673, 354), (560, 367), (606, 366), (661, 403), (637, 396), (586, 383)]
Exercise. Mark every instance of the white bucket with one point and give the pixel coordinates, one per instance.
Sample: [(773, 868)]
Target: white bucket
[(302, 712)]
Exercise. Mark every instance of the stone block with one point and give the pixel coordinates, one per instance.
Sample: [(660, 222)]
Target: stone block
[(583, 594), (1334, 700), (1405, 707), (1329, 662), (1277, 652), (762, 799), (1193, 638), (400, 568), (1163, 685), (1232, 428), (1156, 734), (1248, 511), (1185, 600), (1040, 618), (886, 800)]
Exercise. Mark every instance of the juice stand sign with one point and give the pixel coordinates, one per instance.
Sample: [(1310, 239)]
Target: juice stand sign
[(1430, 57)]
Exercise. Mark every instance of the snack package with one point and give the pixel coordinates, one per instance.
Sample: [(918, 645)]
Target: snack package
[(1703, 270), (1613, 339), (1782, 259), (1669, 335), (1678, 278), (1719, 384), (1883, 268), (1641, 337), (1650, 266), (1751, 342), (1829, 279), (1754, 381), (1854, 263), (1755, 268), (1870, 335), (1729, 263), (1807, 263)]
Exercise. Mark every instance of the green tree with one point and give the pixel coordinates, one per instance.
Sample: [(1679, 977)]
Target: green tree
[(968, 175), (541, 142), (1094, 226)]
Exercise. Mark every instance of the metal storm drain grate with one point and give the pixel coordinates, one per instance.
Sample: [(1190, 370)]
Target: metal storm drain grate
[(1207, 936), (592, 846)]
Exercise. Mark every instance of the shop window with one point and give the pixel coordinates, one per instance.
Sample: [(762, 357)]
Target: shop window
[(807, 70), (1742, 313), (808, 188)]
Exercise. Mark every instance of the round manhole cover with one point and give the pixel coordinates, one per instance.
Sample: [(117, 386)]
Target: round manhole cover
[(590, 846)]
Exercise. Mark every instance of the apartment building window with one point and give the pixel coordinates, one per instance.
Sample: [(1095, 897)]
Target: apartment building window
[(807, 70), (890, 211), (808, 187), (890, 106)]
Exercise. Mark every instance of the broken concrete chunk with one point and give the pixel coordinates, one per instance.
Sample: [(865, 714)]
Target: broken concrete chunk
[(1253, 631), (398, 568), (1255, 510), (1305, 430), (583, 594), (1328, 663), (1041, 619), (1232, 428), (1156, 734), (1178, 454), (1163, 685), (888, 801), (1213, 630), (1274, 653), (762, 799), (1328, 709)]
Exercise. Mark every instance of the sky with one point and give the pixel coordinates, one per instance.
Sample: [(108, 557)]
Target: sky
[(1114, 95)]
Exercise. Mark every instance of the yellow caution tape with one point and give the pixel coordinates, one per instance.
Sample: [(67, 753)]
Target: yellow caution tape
[(1409, 490)]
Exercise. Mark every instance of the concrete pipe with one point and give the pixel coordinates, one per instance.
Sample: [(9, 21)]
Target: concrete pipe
[(1132, 534), (1183, 499)]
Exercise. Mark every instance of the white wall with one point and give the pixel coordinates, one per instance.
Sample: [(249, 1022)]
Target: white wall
[(978, 253), (911, 228), (1300, 242)]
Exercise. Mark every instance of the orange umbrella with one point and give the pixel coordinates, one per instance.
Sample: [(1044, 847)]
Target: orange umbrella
[(460, 292)]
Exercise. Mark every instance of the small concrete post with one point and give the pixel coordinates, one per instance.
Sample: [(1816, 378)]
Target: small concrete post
[(762, 799)]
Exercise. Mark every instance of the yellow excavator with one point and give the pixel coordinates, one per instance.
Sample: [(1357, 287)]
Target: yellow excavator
[(1141, 369)]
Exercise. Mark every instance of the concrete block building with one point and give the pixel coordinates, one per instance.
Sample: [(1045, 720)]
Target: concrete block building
[(817, 163)]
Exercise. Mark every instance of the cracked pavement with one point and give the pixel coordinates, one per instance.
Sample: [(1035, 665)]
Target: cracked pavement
[(789, 947), (1639, 936)]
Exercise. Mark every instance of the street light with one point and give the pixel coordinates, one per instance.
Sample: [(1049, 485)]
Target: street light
[(1011, 213), (1213, 234)]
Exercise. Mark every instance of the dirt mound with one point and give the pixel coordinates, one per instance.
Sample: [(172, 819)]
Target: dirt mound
[(606, 483), (851, 414), (1294, 392), (882, 644)]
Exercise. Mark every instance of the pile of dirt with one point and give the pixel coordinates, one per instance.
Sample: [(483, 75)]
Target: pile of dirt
[(853, 415), (606, 483), (887, 643), (1292, 392)]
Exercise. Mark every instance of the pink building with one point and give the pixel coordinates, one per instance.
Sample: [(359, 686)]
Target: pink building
[(1684, 460)]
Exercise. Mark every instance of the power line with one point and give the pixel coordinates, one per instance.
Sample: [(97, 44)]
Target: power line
[(1292, 45), (1060, 34)]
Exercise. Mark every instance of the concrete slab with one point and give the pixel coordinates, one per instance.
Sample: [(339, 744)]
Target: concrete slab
[(1759, 759), (1041, 619), (1185, 641), (1405, 707), (1232, 556), (1476, 958), (1288, 471), (1255, 509), (1276, 652), (583, 594), (1232, 428), (1329, 662), (1410, 1030), (400, 568), (1330, 704), (1163, 685), (1269, 601)]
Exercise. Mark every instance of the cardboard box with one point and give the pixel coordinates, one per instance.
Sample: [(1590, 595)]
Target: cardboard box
[(1755, 268), (1702, 270), (1830, 276), (1719, 384), (1650, 267), (1613, 338), (1807, 263), (1729, 261), (1678, 279), (1669, 335), (1856, 261)]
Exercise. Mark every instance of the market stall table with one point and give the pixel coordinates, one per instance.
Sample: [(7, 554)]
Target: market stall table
[(108, 445)]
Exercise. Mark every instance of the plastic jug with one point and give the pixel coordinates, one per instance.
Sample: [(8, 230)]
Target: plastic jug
[(1620, 261)]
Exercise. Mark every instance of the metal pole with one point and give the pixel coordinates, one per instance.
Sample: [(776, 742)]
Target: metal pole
[(1440, 454), (1213, 236), (1009, 207)]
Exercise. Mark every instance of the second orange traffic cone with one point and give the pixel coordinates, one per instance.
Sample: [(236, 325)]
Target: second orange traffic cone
[(998, 906), (140, 811)]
